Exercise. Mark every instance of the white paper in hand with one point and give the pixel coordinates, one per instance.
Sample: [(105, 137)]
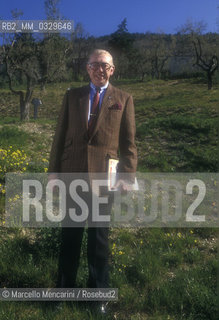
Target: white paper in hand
[(112, 177)]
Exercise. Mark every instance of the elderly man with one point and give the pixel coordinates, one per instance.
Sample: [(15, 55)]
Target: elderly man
[(96, 123)]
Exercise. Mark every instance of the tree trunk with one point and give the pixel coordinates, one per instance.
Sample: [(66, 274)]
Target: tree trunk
[(25, 105), (25, 111), (43, 87), (209, 80)]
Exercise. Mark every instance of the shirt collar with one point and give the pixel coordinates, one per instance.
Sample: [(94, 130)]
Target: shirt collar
[(93, 87)]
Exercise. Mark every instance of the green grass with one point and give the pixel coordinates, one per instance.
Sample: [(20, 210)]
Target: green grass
[(161, 271), (12, 136), (180, 143), (161, 274)]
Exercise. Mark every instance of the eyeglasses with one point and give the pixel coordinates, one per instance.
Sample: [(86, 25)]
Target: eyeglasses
[(97, 65)]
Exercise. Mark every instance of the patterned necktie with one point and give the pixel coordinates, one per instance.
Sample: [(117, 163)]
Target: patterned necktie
[(94, 109)]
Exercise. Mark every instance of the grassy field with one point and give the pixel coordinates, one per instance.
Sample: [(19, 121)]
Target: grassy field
[(161, 274)]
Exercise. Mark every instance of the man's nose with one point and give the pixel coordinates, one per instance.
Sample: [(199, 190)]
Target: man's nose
[(100, 67)]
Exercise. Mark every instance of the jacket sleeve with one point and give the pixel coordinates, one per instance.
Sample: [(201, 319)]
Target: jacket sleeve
[(127, 147), (59, 137)]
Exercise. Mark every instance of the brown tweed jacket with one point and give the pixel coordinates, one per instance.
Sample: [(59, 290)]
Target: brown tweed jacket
[(74, 150)]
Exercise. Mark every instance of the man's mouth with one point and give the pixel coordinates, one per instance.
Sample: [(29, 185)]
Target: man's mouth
[(100, 75), (100, 78)]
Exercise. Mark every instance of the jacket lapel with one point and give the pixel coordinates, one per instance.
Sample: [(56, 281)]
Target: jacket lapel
[(84, 105)]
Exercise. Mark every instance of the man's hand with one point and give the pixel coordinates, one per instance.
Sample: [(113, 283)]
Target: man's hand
[(123, 186)]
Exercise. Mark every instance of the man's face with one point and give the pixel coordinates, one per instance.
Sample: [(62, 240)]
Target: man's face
[(100, 69)]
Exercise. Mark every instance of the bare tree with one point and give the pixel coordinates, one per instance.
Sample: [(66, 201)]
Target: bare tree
[(81, 45), (19, 58), (155, 50), (141, 60), (208, 63), (18, 55), (33, 61), (203, 47), (52, 54), (53, 49), (162, 48)]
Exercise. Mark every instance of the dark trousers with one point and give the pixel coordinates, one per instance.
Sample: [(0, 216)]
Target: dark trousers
[(97, 255)]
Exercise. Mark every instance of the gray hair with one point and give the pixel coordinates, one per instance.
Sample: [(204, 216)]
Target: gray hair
[(99, 52)]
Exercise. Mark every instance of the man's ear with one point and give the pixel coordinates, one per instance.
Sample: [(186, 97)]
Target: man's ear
[(112, 71)]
